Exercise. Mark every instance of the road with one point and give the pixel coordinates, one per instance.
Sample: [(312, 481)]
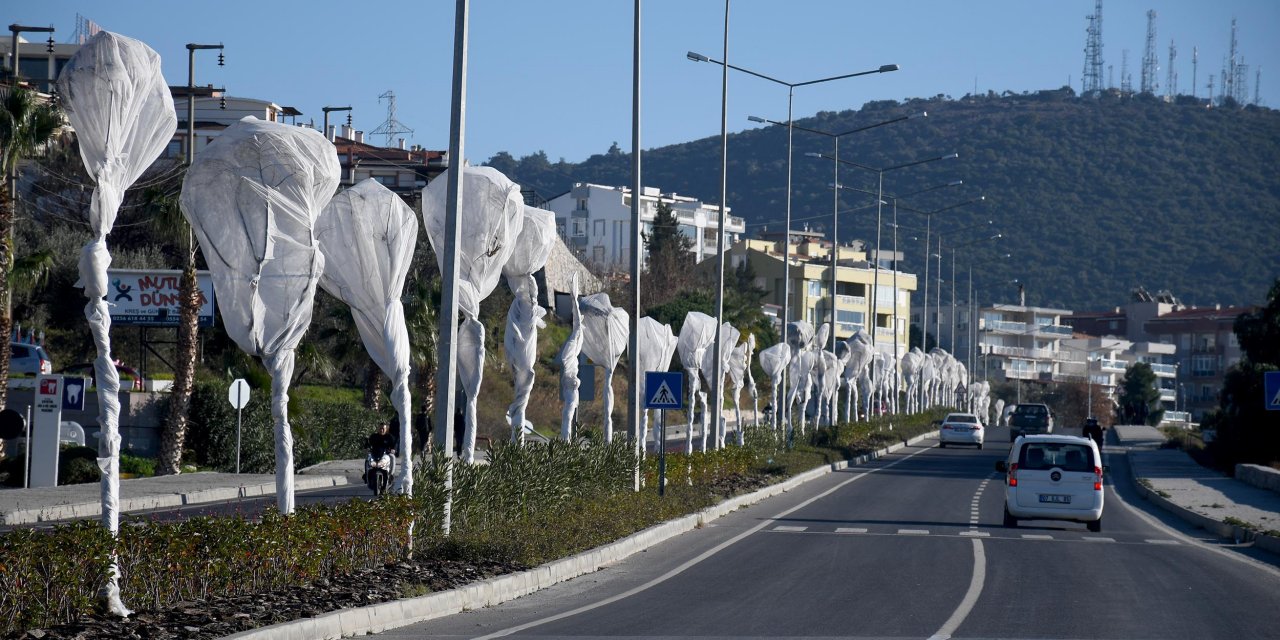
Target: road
[(910, 546)]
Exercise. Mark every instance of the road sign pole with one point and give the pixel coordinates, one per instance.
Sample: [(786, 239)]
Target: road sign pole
[(238, 412), (662, 455)]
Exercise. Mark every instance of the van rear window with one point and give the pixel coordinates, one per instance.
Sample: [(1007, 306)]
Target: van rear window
[(1065, 456)]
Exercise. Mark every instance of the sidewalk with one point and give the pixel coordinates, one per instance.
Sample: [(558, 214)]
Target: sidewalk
[(28, 506), (1210, 500)]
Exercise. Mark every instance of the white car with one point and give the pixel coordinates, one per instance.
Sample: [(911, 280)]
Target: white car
[(960, 428), (1053, 477)]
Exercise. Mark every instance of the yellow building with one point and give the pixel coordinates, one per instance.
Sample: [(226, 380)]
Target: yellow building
[(810, 275)]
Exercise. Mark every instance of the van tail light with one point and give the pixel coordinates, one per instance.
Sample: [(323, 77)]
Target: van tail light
[(1013, 475), (1097, 478)]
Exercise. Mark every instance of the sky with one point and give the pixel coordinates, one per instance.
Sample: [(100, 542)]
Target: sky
[(556, 75)]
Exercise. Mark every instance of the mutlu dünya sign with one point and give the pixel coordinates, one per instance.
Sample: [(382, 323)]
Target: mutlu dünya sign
[(149, 297)]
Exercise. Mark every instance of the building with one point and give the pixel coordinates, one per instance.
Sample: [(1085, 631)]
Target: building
[(810, 276), (595, 221), (1128, 321), (1102, 362), (1206, 347), (1015, 342), (40, 62), (406, 171)]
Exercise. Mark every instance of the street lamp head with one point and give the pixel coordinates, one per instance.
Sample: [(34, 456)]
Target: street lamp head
[(922, 114), (957, 183), (697, 57), (951, 157), (885, 68), (982, 198), (813, 154), (757, 119)]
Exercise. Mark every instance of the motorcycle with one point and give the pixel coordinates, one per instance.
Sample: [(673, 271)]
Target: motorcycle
[(378, 471)]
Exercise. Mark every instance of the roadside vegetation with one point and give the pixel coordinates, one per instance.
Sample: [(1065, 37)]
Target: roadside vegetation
[(531, 504)]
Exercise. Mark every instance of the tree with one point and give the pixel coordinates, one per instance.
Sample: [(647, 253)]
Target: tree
[(1139, 401), (913, 339), (1246, 430), (670, 265), (26, 126)]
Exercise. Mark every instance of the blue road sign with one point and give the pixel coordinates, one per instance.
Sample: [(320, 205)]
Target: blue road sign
[(663, 390), (1271, 385), (73, 390)]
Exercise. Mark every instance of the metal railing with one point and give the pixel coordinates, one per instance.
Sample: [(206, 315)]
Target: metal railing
[(851, 300), (1113, 365), (1164, 370), (1005, 326)]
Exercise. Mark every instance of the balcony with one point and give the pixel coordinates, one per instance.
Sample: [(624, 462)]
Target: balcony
[(849, 327), (851, 301), (884, 331), (1113, 366), (1055, 330), (1021, 374), (1176, 416), (1164, 370), (1003, 326), (1168, 395)]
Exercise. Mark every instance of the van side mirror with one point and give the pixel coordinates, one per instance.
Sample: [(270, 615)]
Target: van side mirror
[(1000, 466)]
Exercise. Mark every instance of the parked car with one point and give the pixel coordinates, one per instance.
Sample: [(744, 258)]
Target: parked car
[(1053, 477), (960, 428), (29, 358), (1030, 419)]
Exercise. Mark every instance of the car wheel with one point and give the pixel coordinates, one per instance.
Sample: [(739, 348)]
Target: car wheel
[(979, 445), (1094, 526), (942, 445), (1009, 521)]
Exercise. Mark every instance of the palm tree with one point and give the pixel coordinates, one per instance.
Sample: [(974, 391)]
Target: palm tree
[(167, 216), (27, 125), (422, 298)]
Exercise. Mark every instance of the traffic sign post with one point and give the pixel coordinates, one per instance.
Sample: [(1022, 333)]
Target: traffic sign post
[(663, 390), (1271, 390), (238, 395)]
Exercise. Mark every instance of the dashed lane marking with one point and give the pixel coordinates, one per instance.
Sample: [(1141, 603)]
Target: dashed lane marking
[(1157, 541), (1097, 539), (787, 528), (976, 534), (1033, 536), (851, 530), (913, 532)]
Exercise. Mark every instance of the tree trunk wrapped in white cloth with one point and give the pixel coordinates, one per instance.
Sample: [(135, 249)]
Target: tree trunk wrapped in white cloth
[(253, 196), (605, 332), (118, 102), (696, 337), (524, 318), (491, 218), (774, 361), (860, 354), (569, 366), (800, 338), (657, 345), (367, 235), (737, 377), (748, 352), (728, 338)]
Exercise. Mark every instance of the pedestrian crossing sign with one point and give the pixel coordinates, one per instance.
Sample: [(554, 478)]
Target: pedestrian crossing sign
[(663, 389), (1271, 388)]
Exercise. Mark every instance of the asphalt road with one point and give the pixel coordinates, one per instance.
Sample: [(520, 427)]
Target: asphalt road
[(910, 546)]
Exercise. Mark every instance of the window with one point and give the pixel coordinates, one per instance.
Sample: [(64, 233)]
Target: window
[(579, 228), (598, 229), (1204, 365), (1206, 392), (174, 149), (597, 253), (815, 288), (582, 204), (386, 181)]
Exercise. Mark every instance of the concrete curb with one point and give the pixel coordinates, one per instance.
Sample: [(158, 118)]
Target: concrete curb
[(1216, 527), (493, 591), (164, 500)]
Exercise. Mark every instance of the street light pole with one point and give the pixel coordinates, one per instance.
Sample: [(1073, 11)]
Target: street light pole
[(717, 387), (191, 93), (326, 111), (634, 373), (14, 55), (953, 280), (786, 240)]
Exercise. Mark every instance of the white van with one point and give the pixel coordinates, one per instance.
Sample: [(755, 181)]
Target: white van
[(1053, 477)]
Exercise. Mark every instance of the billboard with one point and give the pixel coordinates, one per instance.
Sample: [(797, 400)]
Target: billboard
[(149, 297)]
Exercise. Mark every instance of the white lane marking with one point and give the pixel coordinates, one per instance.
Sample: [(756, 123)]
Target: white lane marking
[(1034, 536), (1152, 541), (788, 528), (976, 534), (970, 597), (851, 530), (695, 560), (1097, 539), (913, 532)]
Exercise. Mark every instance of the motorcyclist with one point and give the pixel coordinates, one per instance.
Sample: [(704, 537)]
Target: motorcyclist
[(1092, 429), (382, 444)]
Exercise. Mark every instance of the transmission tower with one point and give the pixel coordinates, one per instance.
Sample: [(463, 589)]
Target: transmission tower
[(1195, 64), (1257, 87), (1229, 70), (1150, 83), (1126, 80), (392, 127), (1171, 79), (1092, 77)]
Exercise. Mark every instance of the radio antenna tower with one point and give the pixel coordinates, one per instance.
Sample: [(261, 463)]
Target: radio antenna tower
[(1257, 86), (1092, 77), (1150, 83), (1229, 73), (1171, 79), (392, 127), (1126, 79), (1195, 64)]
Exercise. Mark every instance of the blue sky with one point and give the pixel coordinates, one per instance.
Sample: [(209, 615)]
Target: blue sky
[(555, 75)]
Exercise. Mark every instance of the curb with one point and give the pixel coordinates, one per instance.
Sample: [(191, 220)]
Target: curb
[(493, 591), (1216, 527), (79, 510)]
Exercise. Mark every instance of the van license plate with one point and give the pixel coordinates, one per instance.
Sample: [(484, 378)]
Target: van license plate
[(1055, 498)]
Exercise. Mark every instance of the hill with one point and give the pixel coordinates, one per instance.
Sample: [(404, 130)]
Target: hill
[(1095, 196)]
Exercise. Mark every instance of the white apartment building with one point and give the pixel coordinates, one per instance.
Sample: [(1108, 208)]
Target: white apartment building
[(1103, 362), (595, 221)]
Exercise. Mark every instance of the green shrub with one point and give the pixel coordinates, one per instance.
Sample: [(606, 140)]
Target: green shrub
[(137, 465)]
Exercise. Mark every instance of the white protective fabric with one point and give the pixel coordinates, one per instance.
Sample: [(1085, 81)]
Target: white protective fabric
[(748, 352), (696, 337), (728, 338), (116, 98), (606, 329), (491, 218), (524, 318), (774, 361), (253, 196), (657, 344), (367, 235), (569, 367)]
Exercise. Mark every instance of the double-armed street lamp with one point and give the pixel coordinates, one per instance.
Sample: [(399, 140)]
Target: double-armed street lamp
[(786, 263), (937, 321), (971, 336), (835, 199), (875, 278), (928, 228), (953, 283)]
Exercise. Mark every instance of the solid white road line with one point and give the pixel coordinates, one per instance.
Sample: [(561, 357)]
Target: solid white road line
[(693, 561), (970, 597)]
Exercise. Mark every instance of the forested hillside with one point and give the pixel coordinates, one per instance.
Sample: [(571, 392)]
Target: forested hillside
[(1094, 196)]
